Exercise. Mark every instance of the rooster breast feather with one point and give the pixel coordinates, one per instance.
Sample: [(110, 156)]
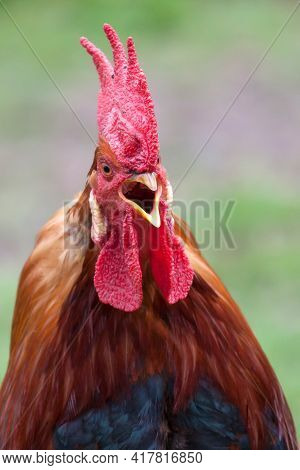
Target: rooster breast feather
[(82, 374)]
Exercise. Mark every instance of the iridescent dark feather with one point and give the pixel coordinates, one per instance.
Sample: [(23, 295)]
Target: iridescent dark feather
[(144, 419)]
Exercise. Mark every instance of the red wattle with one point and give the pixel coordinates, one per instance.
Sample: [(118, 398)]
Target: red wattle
[(118, 276), (170, 266)]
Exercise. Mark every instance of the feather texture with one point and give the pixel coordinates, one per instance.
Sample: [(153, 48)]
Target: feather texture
[(144, 419), (62, 333), (134, 422)]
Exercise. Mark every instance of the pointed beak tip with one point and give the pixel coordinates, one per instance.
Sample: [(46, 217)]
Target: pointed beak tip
[(156, 222), (149, 180)]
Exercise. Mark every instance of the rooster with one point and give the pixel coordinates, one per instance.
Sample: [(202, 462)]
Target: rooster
[(123, 337)]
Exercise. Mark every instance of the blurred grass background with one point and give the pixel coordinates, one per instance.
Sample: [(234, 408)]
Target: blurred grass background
[(197, 54)]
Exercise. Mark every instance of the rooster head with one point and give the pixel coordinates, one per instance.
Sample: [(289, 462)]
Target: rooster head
[(130, 196)]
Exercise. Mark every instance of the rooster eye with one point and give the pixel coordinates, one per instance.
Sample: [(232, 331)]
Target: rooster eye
[(106, 170)]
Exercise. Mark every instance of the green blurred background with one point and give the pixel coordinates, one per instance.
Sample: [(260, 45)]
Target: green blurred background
[(197, 54)]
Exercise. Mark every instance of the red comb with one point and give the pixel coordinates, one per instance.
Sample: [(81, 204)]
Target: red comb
[(126, 116)]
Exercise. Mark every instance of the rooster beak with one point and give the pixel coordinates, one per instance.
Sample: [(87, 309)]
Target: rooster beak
[(150, 181)]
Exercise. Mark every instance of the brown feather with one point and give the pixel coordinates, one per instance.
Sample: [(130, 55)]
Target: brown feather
[(69, 352)]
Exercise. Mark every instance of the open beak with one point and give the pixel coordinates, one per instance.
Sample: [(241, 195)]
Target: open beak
[(143, 193)]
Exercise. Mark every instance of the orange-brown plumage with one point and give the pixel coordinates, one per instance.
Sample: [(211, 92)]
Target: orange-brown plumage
[(103, 315), (66, 345)]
